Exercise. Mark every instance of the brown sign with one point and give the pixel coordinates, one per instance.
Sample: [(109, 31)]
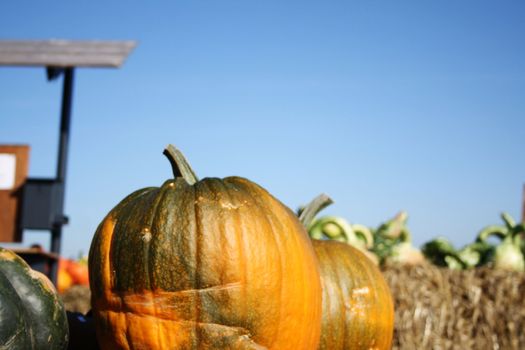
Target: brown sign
[(14, 164)]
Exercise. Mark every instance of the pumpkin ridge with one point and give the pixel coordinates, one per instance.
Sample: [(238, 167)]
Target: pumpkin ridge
[(374, 290), (209, 190), (341, 297), (117, 247), (196, 300), (147, 238), (174, 230), (240, 243), (7, 254), (356, 281), (330, 298), (350, 279), (385, 306), (100, 277), (359, 263), (114, 246), (159, 198), (255, 198), (226, 202), (377, 289)]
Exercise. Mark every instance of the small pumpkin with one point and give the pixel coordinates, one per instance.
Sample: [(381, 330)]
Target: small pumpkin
[(31, 313), (358, 309), (72, 272), (64, 280), (78, 270), (204, 264)]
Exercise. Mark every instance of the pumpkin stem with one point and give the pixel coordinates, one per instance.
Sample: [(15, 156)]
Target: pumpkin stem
[(179, 165), (309, 212)]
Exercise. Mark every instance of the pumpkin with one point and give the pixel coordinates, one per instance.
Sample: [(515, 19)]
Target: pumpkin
[(64, 279), (78, 270), (70, 273), (204, 264), (357, 305), (31, 314)]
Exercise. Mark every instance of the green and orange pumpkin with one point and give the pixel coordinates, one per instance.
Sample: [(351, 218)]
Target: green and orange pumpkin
[(204, 264), (357, 306), (32, 317)]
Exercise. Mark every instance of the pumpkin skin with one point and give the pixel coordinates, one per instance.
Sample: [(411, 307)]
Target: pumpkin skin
[(218, 264), (358, 310), (31, 314)]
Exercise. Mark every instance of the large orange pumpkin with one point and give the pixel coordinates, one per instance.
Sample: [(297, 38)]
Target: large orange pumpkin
[(209, 264), (358, 309)]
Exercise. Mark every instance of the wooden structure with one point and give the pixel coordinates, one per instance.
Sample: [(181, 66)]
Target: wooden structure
[(64, 53), (41, 201), (14, 161)]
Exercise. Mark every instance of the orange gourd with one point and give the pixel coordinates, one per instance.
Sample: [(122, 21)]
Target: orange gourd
[(78, 272), (357, 306), (64, 279), (209, 264)]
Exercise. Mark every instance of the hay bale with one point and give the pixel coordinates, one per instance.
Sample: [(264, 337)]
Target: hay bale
[(438, 308), (77, 299)]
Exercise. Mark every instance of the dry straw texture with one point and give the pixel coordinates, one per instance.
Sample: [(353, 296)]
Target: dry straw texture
[(77, 299), (438, 308)]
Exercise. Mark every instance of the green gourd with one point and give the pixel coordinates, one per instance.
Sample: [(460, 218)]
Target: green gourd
[(31, 314)]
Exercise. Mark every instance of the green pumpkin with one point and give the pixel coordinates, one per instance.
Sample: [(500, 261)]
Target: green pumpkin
[(31, 314)]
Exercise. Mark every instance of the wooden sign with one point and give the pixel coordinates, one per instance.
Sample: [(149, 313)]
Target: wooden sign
[(14, 164)]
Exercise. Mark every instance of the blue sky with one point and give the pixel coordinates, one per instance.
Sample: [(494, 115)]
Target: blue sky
[(383, 105)]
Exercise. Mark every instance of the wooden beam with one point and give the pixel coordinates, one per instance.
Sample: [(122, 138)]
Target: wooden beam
[(64, 53)]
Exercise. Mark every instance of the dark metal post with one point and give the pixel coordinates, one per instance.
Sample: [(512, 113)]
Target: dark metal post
[(65, 124)]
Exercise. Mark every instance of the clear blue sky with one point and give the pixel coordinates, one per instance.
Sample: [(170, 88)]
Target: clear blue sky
[(383, 105)]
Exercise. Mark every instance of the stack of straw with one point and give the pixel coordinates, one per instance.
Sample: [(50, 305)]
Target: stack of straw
[(438, 308)]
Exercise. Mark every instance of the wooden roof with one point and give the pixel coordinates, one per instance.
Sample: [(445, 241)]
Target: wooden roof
[(64, 53)]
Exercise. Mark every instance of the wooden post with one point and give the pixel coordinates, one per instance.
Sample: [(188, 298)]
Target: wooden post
[(65, 122), (13, 173)]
